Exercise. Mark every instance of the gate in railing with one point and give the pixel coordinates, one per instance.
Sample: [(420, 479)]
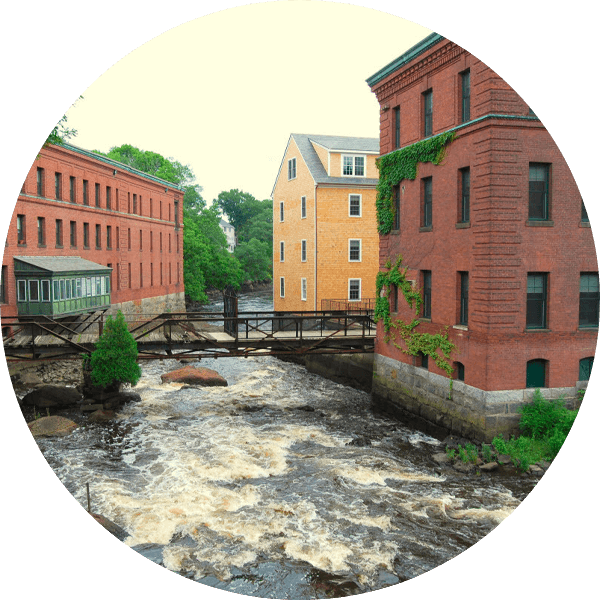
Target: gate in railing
[(230, 310)]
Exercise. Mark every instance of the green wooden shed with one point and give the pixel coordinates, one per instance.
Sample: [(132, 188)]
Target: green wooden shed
[(60, 285)]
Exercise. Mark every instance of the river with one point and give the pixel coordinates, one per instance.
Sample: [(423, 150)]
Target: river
[(282, 484)]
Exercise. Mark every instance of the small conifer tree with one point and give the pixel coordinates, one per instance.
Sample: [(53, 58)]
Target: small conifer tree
[(114, 361)]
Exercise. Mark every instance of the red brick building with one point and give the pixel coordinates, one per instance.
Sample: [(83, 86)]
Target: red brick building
[(77, 203), (497, 238)]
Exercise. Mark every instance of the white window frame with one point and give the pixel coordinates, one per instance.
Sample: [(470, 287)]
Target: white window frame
[(291, 169), (45, 290), (303, 207), (353, 158), (282, 287), (21, 290), (350, 259), (303, 293), (281, 251), (281, 212), (350, 299), (359, 196), (303, 251)]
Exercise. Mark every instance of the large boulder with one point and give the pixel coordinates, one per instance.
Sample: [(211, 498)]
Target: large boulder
[(53, 425), (194, 376), (48, 396)]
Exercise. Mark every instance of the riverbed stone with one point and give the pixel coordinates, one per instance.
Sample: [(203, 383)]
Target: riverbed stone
[(441, 458), (53, 425), (101, 416), (488, 467), (48, 396), (194, 376)]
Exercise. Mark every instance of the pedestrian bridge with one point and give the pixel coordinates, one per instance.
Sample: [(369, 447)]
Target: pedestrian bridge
[(197, 335)]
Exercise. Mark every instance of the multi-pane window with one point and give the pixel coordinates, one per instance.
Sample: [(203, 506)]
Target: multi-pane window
[(463, 317), (426, 307), (584, 215), (97, 194), (303, 250), (465, 196), (589, 298), (41, 231), (282, 287), (86, 235), (108, 197), (109, 237), (353, 165), (40, 182), (426, 211), (354, 252), (57, 186), (536, 373), (86, 197), (281, 251), (465, 107), (539, 183), (292, 168), (428, 113), (98, 237), (21, 239), (303, 288), (355, 205), (72, 189), (396, 193), (537, 288), (59, 232), (354, 289), (281, 212), (21, 290), (73, 234), (303, 207), (585, 368), (396, 126)]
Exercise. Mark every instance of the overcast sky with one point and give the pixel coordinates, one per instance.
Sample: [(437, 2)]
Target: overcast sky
[(222, 93)]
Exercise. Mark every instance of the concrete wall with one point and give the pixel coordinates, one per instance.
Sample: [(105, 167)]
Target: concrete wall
[(439, 406)]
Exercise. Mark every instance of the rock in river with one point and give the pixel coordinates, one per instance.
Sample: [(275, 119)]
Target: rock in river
[(52, 395), (53, 425), (194, 376)]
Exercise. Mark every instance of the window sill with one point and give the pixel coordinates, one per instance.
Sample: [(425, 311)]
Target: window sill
[(428, 228), (86, 247), (584, 224), (425, 319), (463, 225), (60, 246), (531, 223), (537, 330), (461, 327), (587, 328), (41, 245), (395, 232)]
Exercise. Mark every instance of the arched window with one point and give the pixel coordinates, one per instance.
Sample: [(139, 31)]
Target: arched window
[(585, 368), (536, 373)]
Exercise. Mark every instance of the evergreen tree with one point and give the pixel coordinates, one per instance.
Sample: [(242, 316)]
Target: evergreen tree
[(114, 361)]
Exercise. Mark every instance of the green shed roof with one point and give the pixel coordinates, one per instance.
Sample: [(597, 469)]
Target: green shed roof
[(57, 264)]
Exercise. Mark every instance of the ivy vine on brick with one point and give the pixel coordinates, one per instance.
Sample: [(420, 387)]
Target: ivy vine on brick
[(402, 164), (403, 335)]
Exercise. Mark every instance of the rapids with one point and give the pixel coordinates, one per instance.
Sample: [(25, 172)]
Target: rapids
[(282, 484)]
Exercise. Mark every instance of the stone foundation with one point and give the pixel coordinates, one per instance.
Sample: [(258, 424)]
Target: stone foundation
[(438, 407), (158, 304)]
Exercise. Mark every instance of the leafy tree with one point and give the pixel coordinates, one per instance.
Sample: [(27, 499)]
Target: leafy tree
[(114, 361), (61, 133), (193, 202), (255, 259)]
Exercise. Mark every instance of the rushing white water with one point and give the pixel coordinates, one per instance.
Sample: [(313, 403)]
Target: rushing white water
[(261, 487)]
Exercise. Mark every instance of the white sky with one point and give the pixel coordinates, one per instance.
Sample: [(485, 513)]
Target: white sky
[(223, 96)]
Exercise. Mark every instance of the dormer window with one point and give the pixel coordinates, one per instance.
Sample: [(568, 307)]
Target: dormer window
[(353, 166)]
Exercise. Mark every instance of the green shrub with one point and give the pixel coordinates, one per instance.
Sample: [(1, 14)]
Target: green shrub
[(114, 361), (540, 417), (486, 452)]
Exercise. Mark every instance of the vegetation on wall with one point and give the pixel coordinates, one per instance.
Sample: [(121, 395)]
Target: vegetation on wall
[(404, 335), (402, 164)]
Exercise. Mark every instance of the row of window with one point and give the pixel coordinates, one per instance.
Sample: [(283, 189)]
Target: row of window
[(34, 290), (536, 304), (536, 374), (354, 251), (99, 236), (353, 165), (539, 208), (354, 207), (106, 200), (354, 288), (427, 109)]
